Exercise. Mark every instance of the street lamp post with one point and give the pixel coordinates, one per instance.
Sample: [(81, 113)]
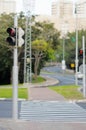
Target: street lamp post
[(63, 61), (63, 48), (64, 35)]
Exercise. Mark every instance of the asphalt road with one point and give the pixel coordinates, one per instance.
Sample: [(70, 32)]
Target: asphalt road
[(65, 78), (6, 108)]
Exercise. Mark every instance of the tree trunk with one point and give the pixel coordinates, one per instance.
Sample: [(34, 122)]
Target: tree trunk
[(37, 60)]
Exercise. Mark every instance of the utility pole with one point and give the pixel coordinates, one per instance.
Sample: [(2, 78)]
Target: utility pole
[(28, 7), (27, 56)]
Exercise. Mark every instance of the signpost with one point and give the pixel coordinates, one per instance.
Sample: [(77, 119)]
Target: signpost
[(63, 65)]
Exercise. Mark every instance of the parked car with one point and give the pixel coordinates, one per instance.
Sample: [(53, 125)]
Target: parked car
[(79, 75)]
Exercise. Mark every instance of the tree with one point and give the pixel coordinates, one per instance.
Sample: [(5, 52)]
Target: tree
[(6, 51), (39, 48), (45, 30)]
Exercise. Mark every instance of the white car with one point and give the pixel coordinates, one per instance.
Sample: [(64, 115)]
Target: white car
[(79, 75)]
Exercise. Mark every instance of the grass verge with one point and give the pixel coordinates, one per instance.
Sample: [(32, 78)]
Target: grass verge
[(69, 91), (38, 79), (7, 92)]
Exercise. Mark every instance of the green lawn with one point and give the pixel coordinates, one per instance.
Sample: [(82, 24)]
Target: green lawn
[(38, 79), (69, 91), (6, 92)]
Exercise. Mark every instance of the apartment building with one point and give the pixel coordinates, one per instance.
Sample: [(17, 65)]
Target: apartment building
[(62, 8), (7, 6), (64, 15)]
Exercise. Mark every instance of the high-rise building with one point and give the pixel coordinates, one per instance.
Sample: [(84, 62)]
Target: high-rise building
[(67, 11), (62, 8), (66, 8), (7, 6), (81, 8), (55, 8)]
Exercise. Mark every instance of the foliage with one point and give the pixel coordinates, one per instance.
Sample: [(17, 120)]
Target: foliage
[(70, 47), (39, 48), (51, 54), (45, 31), (5, 49), (46, 44)]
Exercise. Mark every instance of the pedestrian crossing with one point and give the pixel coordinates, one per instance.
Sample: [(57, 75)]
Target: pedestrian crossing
[(52, 111)]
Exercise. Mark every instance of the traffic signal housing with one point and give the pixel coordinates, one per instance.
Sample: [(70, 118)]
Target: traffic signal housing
[(20, 37), (11, 39), (81, 53)]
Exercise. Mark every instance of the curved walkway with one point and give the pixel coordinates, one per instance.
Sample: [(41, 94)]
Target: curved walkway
[(42, 92)]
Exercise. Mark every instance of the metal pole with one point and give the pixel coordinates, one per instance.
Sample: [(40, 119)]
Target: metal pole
[(63, 48), (84, 81), (63, 61), (25, 54), (76, 81), (15, 76), (30, 51)]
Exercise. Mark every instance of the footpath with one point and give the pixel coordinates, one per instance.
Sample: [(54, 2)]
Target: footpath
[(42, 92)]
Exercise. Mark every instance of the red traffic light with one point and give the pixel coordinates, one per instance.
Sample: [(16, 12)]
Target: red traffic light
[(80, 51), (11, 39), (11, 31)]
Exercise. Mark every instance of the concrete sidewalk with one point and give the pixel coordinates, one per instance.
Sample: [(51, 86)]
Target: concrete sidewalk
[(42, 92), (8, 124)]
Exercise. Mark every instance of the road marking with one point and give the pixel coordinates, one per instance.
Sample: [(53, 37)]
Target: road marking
[(52, 111)]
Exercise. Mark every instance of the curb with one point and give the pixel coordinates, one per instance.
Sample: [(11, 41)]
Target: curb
[(10, 99), (48, 82), (77, 101)]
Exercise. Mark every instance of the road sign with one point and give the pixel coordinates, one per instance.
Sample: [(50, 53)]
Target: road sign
[(63, 65), (72, 65), (20, 38)]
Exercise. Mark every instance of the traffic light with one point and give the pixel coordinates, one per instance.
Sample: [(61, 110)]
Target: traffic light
[(20, 37), (81, 53), (11, 39)]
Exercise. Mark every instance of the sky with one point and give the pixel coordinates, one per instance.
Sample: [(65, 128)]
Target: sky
[(41, 6)]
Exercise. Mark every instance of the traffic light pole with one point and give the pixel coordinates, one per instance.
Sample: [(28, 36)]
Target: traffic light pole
[(76, 61), (84, 71), (15, 76)]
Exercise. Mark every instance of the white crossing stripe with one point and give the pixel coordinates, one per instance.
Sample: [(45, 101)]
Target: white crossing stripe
[(52, 111)]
